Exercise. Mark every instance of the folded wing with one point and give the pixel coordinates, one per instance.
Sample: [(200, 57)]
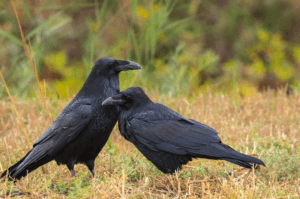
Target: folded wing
[(160, 130), (63, 130)]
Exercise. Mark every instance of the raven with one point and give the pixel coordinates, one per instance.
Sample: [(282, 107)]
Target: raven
[(81, 130), (166, 138)]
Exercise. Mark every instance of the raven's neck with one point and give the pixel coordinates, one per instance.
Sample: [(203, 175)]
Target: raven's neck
[(99, 88), (127, 113), (124, 116)]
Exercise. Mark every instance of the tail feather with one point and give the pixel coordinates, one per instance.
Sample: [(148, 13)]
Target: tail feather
[(244, 163), (219, 151), (24, 166), (241, 159), (11, 170)]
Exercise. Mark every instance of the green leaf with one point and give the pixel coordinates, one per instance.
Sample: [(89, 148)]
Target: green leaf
[(12, 37)]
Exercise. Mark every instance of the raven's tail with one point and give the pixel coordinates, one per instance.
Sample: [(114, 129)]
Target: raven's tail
[(241, 159), (23, 167), (220, 151), (11, 170)]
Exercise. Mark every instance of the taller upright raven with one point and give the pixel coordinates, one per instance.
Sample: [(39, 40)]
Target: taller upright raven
[(81, 130), (166, 138)]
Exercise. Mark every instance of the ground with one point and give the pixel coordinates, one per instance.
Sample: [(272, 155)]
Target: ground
[(265, 125)]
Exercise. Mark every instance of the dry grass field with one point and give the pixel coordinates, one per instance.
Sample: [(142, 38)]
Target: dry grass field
[(265, 125)]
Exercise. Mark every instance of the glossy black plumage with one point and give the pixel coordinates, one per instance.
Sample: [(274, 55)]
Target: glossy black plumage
[(81, 130), (166, 138)]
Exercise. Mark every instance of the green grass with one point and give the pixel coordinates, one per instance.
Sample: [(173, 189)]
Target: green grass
[(266, 126)]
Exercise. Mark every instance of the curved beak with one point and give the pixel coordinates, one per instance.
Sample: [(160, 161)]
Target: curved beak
[(127, 65), (115, 100)]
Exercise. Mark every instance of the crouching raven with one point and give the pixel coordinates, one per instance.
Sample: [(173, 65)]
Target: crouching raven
[(166, 138)]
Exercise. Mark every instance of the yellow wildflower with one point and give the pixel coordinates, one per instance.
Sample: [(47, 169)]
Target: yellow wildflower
[(156, 8), (296, 53), (56, 61), (161, 37), (95, 27), (247, 90), (263, 35), (142, 12)]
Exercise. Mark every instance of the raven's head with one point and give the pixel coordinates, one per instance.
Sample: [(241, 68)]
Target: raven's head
[(129, 98), (109, 67)]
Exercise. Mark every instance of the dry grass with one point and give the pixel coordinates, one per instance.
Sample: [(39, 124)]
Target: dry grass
[(266, 125)]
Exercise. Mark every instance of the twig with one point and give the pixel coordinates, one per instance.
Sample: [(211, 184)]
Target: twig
[(30, 59), (14, 107), (123, 184)]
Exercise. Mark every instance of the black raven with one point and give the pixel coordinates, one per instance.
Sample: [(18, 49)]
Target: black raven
[(81, 130), (166, 138)]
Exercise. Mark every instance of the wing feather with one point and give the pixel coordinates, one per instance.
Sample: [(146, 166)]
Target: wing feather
[(161, 128), (169, 140), (68, 125)]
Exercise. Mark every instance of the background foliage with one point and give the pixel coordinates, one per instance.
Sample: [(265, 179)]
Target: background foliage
[(184, 46), (187, 48)]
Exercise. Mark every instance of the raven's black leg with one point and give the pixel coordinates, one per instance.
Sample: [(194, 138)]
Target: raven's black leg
[(72, 172), (93, 173), (90, 164), (71, 168)]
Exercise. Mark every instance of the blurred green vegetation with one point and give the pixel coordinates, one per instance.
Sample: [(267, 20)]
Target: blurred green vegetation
[(184, 46)]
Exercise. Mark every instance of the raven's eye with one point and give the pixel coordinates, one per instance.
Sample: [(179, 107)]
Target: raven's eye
[(110, 65)]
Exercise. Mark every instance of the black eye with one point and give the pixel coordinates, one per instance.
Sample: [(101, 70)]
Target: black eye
[(110, 65)]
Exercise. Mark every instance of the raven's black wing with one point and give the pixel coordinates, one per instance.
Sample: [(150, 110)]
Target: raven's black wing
[(68, 125), (159, 129), (162, 136)]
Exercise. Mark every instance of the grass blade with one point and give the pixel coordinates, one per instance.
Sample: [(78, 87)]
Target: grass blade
[(27, 10), (11, 37), (31, 62), (14, 107)]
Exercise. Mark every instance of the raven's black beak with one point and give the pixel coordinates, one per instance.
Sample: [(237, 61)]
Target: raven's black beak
[(127, 65), (115, 100)]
